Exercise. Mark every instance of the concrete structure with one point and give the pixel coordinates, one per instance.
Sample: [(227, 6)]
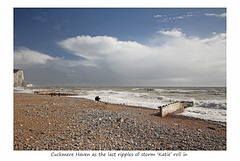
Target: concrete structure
[(174, 108), (18, 78)]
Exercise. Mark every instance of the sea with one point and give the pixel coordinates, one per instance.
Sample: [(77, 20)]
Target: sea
[(209, 102)]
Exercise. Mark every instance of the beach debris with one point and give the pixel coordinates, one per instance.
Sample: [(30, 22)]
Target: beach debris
[(97, 98)]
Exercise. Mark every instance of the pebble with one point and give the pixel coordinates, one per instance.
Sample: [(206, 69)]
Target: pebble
[(119, 120), (199, 130), (212, 128)]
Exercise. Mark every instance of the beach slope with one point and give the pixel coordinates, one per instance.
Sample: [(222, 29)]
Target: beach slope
[(42, 122)]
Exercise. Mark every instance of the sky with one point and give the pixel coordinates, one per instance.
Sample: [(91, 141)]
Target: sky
[(121, 46)]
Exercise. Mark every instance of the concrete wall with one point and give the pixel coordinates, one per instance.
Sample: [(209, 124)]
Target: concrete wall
[(18, 77), (174, 108)]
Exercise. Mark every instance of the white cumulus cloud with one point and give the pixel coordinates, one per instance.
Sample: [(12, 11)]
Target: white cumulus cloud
[(25, 56), (192, 59), (176, 32)]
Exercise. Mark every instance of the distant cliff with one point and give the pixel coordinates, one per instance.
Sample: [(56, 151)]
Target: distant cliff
[(18, 77)]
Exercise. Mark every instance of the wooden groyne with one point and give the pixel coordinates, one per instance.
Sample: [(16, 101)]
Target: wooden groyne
[(174, 108), (57, 94)]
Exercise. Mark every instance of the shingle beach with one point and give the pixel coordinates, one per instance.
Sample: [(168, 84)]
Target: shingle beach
[(42, 122)]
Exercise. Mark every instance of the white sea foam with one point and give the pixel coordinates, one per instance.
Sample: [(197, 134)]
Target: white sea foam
[(212, 104), (206, 113), (22, 90), (126, 98)]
